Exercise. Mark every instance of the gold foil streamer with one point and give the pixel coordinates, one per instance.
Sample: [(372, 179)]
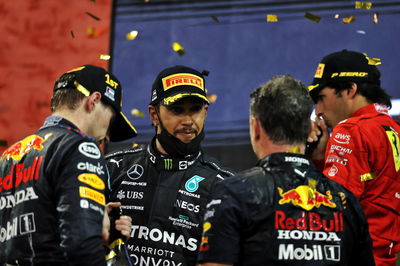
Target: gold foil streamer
[(212, 98), (92, 16), (178, 48), (90, 31), (215, 19), (105, 57), (137, 113), (363, 5), (272, 18), (373, 61), (312, 17), (376, 18), (349, 19), (132, 35)]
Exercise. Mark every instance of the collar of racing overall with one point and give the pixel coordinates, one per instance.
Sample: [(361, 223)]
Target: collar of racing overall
[(58, 121), (282, 158), (169, 163), (372, 108)]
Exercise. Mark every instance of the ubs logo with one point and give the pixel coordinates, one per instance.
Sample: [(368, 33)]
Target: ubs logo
[(135, 172)]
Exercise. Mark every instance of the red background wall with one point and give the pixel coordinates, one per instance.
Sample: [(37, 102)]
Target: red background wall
[(36, 47)]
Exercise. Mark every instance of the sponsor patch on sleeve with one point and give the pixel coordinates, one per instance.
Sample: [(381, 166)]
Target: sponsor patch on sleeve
[(92, 180), (94, 195)]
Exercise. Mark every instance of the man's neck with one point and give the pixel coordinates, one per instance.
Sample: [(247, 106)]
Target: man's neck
[(74, 117)]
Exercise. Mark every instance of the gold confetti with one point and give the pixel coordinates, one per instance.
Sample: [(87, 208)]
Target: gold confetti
[(376, 17), (178, 48), (312, 17), (132, 35), (92, 16), (205, 73), (3, 143), (90, 31), (105, 57), (349, 19), (137, 113), (215, 19), (212, 98), (336, 16), (363, 5), (134, 145), (72, 34), (373, 61), (272, 18)]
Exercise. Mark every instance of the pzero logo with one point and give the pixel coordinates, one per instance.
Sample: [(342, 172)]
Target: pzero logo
[(193, 183), (135, 172), (89, 149)]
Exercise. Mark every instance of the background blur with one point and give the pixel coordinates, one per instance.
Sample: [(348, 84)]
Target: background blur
[(232, 40)]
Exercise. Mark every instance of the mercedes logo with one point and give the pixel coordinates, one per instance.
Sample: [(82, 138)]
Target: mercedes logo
[(135, 172)]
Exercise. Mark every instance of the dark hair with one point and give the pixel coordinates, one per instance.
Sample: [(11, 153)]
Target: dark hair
[(372, 92), (283, 106)]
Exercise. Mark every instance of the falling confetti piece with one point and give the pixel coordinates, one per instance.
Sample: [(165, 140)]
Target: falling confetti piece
[(134, 145), (376, 17), (72, 34), (92, 16), (105, 57), (361, 32), (90, 31), (212, 98), (373, 61), (178, 48), (337, 16), (215, 19), (137, 113), (349, 19), (363, 5), (132, 35), (312, 17), (272, 18), (3, 143), (205, 73)]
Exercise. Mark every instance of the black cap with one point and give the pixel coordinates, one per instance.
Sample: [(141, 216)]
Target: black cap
[(88, 79), (175, 83), (344, 66)]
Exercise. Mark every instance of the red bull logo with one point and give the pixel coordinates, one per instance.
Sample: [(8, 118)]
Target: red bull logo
[(19, 149), (306, 198)]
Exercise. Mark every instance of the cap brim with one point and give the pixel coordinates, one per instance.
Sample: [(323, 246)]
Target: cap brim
[(121, 129), (172, 99)]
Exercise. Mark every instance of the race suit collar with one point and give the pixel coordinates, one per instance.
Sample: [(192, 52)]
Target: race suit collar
[(281, 159), (169, 163), (58, 121), (374, 108)]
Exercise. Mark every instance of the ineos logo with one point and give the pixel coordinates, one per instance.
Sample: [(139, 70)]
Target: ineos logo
[(135, 172), (89, 149)]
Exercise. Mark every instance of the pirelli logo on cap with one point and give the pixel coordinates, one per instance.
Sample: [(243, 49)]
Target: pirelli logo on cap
[(94, 195), (182, 79), (320, 71), (349, 74)]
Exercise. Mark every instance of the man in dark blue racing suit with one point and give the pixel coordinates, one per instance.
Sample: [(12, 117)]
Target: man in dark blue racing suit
[(283, 211), (52, 183), (164, 186)]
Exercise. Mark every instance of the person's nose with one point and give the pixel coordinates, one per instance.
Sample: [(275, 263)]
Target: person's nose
[(187, 119), (318, 109)]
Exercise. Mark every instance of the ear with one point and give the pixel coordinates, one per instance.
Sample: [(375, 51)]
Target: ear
[(153, 115), (352, 91), (255, 128), (92, 100), (206, 109)]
